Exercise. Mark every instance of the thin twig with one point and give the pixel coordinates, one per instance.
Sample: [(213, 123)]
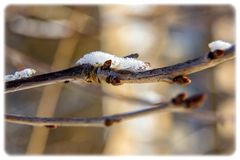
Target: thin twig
[(171, 74), (180, 100)]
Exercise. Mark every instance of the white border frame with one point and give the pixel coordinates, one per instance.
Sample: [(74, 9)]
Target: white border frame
[(4, 4)]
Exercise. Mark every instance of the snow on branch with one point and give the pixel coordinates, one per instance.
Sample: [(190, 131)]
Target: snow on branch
[(180, 103), (99, 67), (98, 58), (28, 72)]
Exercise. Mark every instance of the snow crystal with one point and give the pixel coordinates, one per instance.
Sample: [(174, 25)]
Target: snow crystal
[(98, 58)]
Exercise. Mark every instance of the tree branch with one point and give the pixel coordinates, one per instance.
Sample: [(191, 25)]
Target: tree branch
[(174, 105), (171, 74)]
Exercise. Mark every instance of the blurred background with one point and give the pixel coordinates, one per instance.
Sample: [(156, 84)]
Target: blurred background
[(51, 37)]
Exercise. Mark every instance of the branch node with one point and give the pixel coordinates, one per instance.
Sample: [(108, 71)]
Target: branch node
[(67, 81), (182, 80), (107, 64), (110, 122), (216, 54), (190, 102), (114, 80), (179, 99), (51, 126), (194, 101)]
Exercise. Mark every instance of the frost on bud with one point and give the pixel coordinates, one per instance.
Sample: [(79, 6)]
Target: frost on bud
[(219, 45)]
